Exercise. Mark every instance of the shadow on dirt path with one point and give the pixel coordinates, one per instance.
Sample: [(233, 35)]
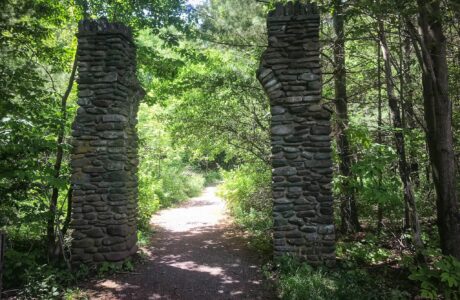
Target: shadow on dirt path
[(196, 253)]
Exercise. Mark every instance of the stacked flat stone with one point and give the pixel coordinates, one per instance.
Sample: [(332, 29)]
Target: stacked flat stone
[(104, 156), (290, 73)]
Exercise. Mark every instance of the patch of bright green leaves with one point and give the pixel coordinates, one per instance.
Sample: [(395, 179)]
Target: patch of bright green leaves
[(366, 251), (247, 192), (443, 278)]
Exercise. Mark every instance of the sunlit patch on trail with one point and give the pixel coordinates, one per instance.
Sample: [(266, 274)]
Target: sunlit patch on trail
[(110, 284), (204, 211)]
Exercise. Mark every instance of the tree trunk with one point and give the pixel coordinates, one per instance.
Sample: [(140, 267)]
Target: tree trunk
[(379, 133), (349, 214), (404, 170), (404, 119), (438, 117), (410, 113), (51, 233), (68, 216)]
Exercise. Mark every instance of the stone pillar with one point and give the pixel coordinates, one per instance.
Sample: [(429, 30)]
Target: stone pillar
[(104, 156), (290, 73)]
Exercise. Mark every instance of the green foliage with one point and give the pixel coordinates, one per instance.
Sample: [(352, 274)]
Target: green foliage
[(144, 235), (50, 282), (165, 177), (443, 278), (141, 13), (37, 47), (237, 28), (37, 278), (248, 195), (36, 51), (208, 112), (41, 284), (215, 104), (107, 268), (75, 294), (16, 264), (367, 251), (300, 281), (373, 181), (212, 177), (206, 97)]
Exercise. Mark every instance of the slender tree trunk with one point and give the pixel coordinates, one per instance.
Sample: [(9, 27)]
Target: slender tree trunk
[(409, 109), (438, 117), (402, 103), (404, 171), (349, 214), (68, 216), (51, 233), (379, 133)]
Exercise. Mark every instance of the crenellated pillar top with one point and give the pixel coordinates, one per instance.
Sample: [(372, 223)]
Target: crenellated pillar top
[(100, 26), (290, 69), (293, 12)]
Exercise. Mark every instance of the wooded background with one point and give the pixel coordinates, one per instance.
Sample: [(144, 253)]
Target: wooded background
[(390, 73)]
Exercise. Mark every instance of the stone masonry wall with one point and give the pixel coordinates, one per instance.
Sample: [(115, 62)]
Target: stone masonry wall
[(104, 157), (290, 73)]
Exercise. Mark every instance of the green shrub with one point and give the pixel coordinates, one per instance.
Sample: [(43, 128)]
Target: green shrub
[(248, 194), (75, 294), (301, 281), (366, 251), (249, 187), (16, 265), (175, 183), (49, 281), (165, 174), (443, 278), (41, 283), (212, 177), (193, 182), (148, 202), (111, 268), (144, 236)]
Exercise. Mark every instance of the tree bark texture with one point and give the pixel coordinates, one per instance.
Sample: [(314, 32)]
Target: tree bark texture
[(379, 132), (438, 117)]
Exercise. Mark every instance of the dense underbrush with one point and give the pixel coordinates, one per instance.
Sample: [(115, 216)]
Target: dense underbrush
[(246, 191)]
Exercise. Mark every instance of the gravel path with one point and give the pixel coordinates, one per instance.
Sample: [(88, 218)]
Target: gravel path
[(196, 253)]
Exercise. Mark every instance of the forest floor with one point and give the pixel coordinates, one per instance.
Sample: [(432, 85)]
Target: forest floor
[(196, 252)]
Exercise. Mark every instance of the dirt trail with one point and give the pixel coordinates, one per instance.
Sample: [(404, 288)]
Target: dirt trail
[(196, 253)]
